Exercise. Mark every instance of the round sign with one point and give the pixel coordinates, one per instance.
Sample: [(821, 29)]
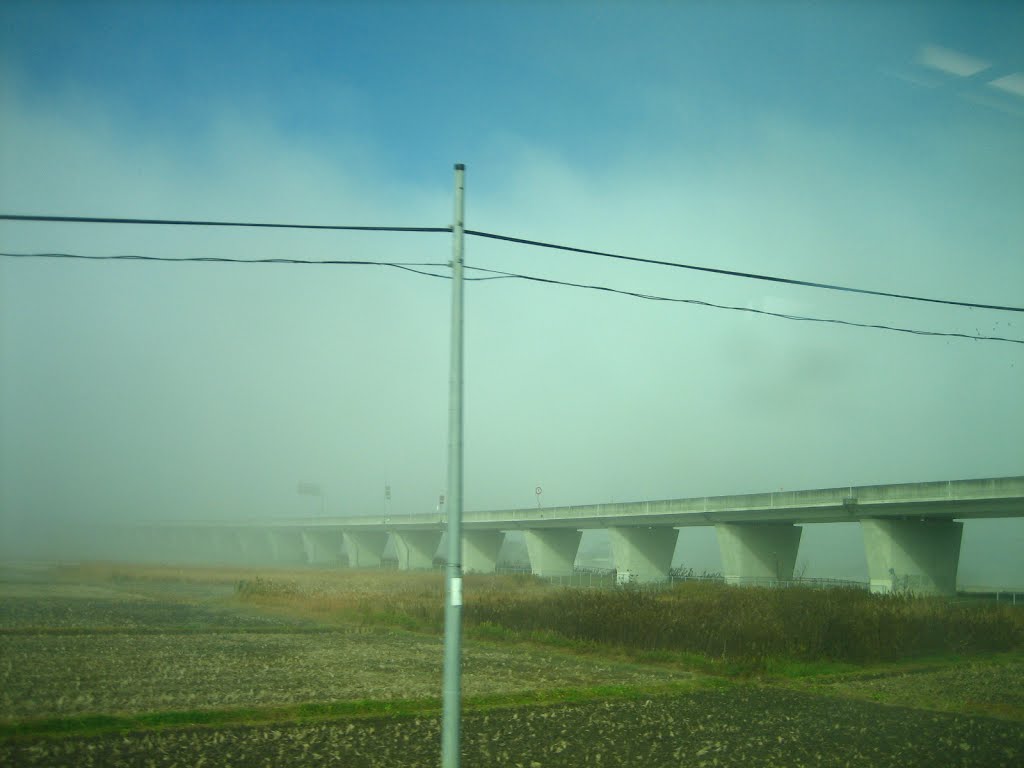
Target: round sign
[(539, 490)]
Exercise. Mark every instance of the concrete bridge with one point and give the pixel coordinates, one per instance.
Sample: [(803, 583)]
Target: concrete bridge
[(912, 533)]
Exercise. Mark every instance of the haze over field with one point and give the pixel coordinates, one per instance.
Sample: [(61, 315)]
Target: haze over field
[(878, 147)]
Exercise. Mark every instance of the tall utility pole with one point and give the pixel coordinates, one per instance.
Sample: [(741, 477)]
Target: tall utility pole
[(452, 689)]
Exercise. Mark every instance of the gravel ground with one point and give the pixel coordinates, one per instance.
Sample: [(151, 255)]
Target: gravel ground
[(744, 726)]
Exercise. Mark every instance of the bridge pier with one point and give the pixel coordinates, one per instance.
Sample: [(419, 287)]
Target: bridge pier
[(480, 550), (288, 547), (365, 548), (256, 546), (210, 547), (176, 546), (198, 546), (226, 546), (323, 547), (138, 544), (643, 555), (552, 550), (757, 553), (416, 549), (921, 556), (187, 546)]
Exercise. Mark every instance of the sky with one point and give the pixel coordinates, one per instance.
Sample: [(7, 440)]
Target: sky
[(878, 146)]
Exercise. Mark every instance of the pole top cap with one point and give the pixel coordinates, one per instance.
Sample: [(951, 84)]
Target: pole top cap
[(460, 166)]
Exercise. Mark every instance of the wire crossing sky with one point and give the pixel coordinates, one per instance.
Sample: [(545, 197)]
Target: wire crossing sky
[(186, 223), (498, 275), (507, 238), (761, 159), (747, 275)]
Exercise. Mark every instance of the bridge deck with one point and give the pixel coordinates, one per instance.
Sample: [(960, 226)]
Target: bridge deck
[(948, 499)]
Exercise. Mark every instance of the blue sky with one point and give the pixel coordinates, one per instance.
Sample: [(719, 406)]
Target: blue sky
[(878, 145), (593, 82)]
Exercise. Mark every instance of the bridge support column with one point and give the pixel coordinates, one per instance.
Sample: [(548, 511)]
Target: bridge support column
[(552, 550), (256, 546), (480, 550), (206, 546), (157, 547), (229, 545), (185, 546), (323, 547), (179, 546), (138, 543), (203, 546), (921, 556), (221, 544), (643, 554), (168, 545), (365, 548), (416, 549), (758, 553), (288, 547)]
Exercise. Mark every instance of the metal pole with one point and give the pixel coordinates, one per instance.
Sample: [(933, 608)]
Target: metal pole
[(452, 689)]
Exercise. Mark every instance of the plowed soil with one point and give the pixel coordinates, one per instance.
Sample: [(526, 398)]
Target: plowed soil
[(743, 726)]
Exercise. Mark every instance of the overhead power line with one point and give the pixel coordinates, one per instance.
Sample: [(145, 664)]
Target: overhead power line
[(496, 274), (222, 259), (735, 273), (517, 241), (420, 268), (193, 223), (411, 266)]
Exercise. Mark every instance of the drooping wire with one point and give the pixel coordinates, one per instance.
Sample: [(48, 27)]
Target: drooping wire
[(493, 274), (518, 241), (735, 273), (406, 266), (497, 274), (222, 259)]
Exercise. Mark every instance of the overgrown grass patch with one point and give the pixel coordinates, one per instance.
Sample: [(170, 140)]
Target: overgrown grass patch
[(755, 626), (751, 628), (710, 624)]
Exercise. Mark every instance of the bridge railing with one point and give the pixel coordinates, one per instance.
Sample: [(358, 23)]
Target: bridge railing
[(607, 579), (1011, 595), (807, 583)]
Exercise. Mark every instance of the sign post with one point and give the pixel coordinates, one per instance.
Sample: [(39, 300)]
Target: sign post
[(313, 489)]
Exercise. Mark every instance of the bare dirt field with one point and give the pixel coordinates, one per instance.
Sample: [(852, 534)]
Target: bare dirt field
[(741, 726), (79, 661), (128, 672)]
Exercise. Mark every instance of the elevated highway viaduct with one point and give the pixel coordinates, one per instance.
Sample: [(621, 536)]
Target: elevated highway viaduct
[(912, 533)]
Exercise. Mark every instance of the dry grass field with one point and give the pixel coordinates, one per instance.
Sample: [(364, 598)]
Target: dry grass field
[(110, 665)]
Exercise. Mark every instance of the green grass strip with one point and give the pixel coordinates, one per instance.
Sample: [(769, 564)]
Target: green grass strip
[(829, 672), (242, 629), (95, 725)]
